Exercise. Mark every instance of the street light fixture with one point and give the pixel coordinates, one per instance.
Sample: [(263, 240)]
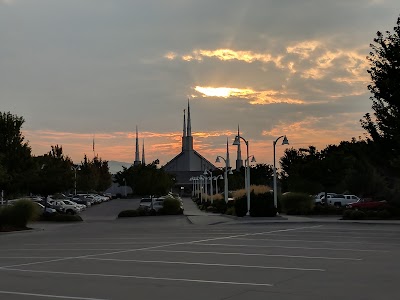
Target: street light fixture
[(236, 142), (284, 142), (225, 175), (205, 185), (211, 185), (216, 182)]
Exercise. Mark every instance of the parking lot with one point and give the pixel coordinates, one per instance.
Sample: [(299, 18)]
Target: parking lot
[(168, 257)]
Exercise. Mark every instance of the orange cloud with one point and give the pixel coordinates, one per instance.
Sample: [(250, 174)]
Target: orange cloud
[(254, 97)]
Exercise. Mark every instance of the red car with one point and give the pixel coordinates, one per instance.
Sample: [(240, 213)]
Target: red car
[(368, 203)]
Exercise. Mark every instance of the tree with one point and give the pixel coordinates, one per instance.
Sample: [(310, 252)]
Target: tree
[(15, 155), (384, 70), (54, 173), (145, 179)]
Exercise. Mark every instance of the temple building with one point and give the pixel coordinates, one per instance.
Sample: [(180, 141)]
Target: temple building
[(189, 162)]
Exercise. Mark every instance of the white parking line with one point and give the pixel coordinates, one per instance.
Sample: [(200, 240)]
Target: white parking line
[(142, 277), (204, 264), (313, 241), (30, 257), (99, 243), (47, 296), (294, 247), (160, 246), (257, 254), (340, 236)]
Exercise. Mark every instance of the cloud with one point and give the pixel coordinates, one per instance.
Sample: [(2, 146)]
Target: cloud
[(254, 97), (7, 2)]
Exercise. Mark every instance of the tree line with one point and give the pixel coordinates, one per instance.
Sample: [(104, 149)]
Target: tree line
[(22, 173)]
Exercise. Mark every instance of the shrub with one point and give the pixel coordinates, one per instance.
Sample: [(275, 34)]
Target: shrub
[(297, 203), (219, 205), (358, 215), (19, 214), (328, 210), (230, 211), (128, 213), (347, 214), (240, 206), (262, 205), (172, 206), (384, 214)]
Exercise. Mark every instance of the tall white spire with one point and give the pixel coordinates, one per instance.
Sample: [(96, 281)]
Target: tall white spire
[(143, 159), (137, 160), (189, 122), (239, 161), (228, 164), (184, 122)]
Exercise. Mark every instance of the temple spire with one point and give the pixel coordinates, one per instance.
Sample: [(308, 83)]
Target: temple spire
[(143, 159), (189, 122), (228, 164), (184, 123), (137, 160)]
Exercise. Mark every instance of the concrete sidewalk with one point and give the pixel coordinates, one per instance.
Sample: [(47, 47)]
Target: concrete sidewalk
[(199, 217)]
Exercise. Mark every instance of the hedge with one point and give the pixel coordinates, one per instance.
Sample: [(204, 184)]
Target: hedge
[(297, 203), (18, 214)]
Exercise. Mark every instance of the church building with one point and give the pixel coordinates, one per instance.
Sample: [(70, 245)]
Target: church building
[(189, 162)]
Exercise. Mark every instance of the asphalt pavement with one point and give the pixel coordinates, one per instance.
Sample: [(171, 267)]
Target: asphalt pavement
[(199, 256)]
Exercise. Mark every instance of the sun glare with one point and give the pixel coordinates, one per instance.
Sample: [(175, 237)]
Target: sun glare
[(223, 92)]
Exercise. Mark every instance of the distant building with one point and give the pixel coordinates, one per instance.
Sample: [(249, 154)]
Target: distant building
[(189, 162)]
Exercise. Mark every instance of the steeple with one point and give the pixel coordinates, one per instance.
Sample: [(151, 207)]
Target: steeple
[(137, 161), (187, 139), (239, 161), (184, 123), (228, 164), (189, 122), (143, 160)]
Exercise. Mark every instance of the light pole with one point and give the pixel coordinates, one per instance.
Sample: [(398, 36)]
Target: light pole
[(201, 188), (211, 185), (236, 142), (192, 180), (75, 168), (284, 142), (216, 183), (225, 175)]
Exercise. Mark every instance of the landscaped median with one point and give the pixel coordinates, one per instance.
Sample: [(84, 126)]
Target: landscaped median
[(16, 216), (171, 206), (290, 203)]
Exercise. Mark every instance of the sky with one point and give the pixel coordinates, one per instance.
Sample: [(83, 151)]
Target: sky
[(80, 70)]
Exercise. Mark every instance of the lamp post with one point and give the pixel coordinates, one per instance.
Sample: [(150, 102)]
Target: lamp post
[(216, 182), (284, 142), (211, 178), (236, 142), (192, 180), (75, 168), (201, 188), (225, 175)]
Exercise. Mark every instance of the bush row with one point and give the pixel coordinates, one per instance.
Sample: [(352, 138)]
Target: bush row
[(18, 214), (171, 206)]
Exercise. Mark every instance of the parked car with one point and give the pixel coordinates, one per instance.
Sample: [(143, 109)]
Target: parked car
[(337, 200), (318, 199), (47, 210), (145, 203), (63, 207), (368, 203), (157, 204)]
